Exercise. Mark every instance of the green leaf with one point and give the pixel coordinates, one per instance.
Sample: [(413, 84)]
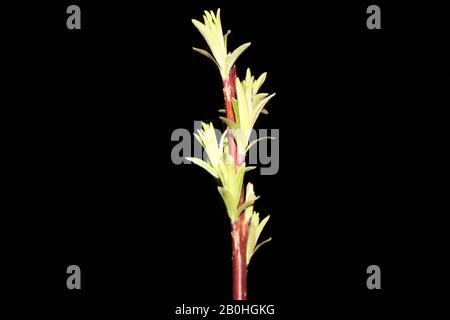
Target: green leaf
[(258, 83), (249, 195), (197, 137), (206, 54), (249, 168), (225, 38), (258, 98), (240, 181), (229, 123), (203, 165), (255, 230), (236, 111), (259, 245), (218, 26), (231, 59), (247, 204), (259, 107), (223, 140), (261, 227), (251, 239), (229, 203), (256, 141), (242, 105), (212, 42)]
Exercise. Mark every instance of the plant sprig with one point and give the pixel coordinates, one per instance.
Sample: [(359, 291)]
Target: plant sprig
[(247, 105)]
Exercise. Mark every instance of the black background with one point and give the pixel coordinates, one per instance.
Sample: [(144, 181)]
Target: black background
[(87, 117)]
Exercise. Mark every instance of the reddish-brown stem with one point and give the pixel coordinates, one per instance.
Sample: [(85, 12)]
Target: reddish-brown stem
[(229, 92), (239, 236), (239, 229)]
